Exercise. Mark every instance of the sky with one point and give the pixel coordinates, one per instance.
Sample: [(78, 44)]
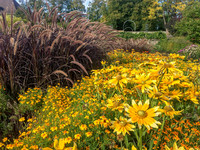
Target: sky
[(86, 2)]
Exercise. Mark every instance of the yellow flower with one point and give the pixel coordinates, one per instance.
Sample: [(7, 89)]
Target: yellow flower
[(88, 134), (9, 146), (22, 119), (154, 93), (96, 122), (83, 127), (1, 144), (34, 147), (5, 139), (175, 147), (143, 82), (44, 135), (77, 136), (122, 126), (24, 148), (119, 80), (54, 128), (115, 103), (142, 115), (169, 111), (68, 140)]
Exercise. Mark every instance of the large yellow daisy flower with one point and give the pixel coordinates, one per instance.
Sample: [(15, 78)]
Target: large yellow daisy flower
[(142, 115)]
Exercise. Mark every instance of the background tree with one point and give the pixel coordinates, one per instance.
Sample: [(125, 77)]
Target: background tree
[(189, 25), (96, 9), (78, 5), (168, 10), (140, 17), (118, 12), (39, 4)]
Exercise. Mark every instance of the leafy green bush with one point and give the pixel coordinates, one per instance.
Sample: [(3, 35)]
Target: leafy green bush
[(171, 45), (142, 35), (41, 52), (15, 20), (8, 125), (190, 23)]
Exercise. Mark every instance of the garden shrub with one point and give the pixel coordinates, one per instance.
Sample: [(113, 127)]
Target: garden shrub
[(171, 45), (192, 51), (41, 52), (11, 112), (14, 20), (142, 35), (189, 25), (8, 119)]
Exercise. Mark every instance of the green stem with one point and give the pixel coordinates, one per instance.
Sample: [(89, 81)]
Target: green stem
[(151, 143), (136, 135), (161, 79), (140, 139), (121, 145), (162, 126), (126, 141)]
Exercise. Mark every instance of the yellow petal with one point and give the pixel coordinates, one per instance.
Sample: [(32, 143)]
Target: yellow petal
[(47, 148), (181, 148), (133, 148), (61, 144), (175, 147), (166, 147), (55, 144)]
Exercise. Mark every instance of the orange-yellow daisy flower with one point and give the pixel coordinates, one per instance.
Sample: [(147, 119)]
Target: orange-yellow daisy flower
[(142, 115), (143, 82), (175, 147), (115, 103), (169, 111), (122, 125), (119, 80)]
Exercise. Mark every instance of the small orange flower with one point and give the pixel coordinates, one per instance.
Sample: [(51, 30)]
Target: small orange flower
[(44, 135), (5, 139), (22, 119), (88, 134), (54, 128), (77, 136), (34, 147), (83, 127), (68, 140), (24, 148)]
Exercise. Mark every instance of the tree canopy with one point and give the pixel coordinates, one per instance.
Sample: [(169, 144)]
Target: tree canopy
[(146, 14)]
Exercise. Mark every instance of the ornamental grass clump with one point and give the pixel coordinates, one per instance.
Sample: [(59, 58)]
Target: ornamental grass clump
[(113, 109), (192, 51), (50, 48)]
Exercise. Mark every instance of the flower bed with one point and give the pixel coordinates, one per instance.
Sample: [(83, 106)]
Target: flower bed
[(143, 101)]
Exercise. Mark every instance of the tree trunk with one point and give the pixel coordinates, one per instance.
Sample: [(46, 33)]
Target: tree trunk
[(166, 28)]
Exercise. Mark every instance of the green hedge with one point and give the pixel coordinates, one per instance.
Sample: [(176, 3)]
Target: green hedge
[(142, 35)]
